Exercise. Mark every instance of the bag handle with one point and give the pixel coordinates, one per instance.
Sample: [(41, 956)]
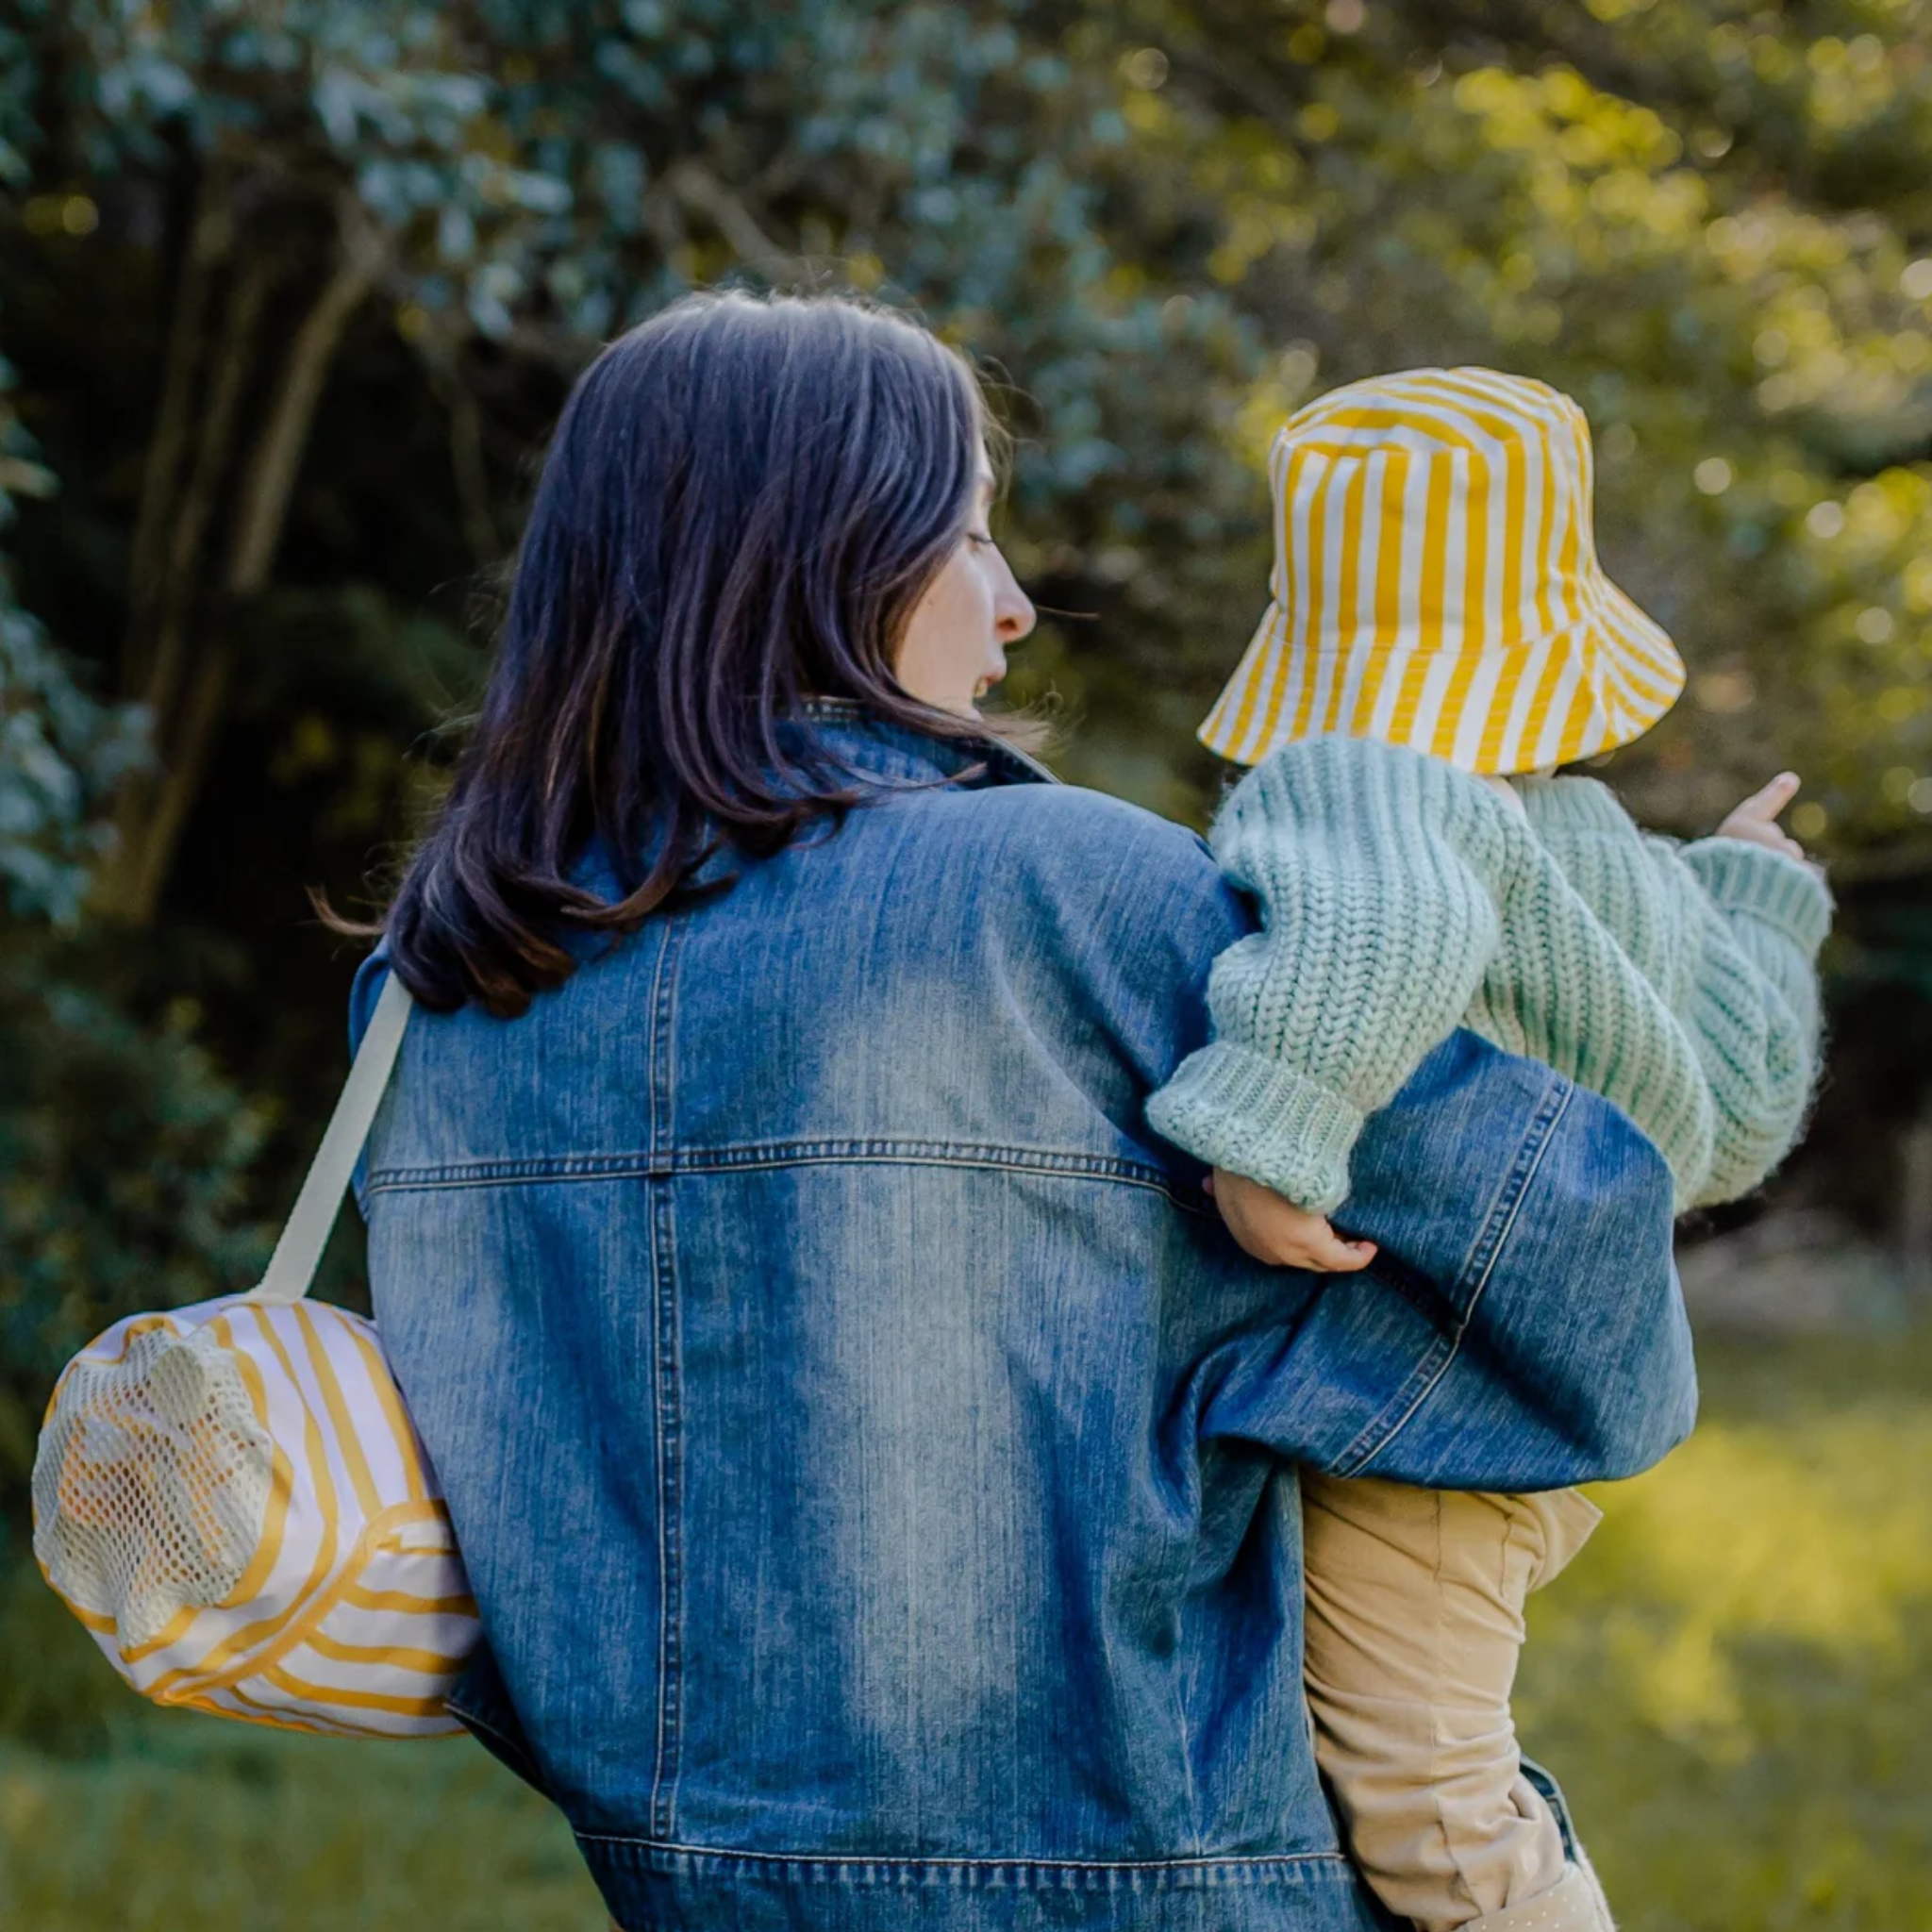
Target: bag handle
[(291, 1267)]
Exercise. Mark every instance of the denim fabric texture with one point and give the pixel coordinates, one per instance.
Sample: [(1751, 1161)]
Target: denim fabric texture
[(874, 1461)]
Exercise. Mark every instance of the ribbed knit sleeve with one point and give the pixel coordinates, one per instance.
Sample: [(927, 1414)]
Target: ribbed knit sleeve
[(1759, 920), (1729, 933), (1378, 873), (1778, 910), (1592, 971)]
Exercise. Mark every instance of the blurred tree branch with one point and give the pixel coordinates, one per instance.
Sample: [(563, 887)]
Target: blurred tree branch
[(178, 655)]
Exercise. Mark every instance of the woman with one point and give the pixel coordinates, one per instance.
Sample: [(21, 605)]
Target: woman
[(874, 1463)]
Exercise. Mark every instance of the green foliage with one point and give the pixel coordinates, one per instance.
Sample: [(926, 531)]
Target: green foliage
[(124, 1159), (57, 1693), (53, 742), (1701, 223), (122, 1149), (1172, 221), (61, 753)]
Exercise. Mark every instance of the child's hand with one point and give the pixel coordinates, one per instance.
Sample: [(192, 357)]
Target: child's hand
[(1756, 821), (1276, 1231)]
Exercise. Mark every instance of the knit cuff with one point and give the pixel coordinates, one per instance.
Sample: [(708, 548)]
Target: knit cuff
[(1237, 1109), (1783, 893)]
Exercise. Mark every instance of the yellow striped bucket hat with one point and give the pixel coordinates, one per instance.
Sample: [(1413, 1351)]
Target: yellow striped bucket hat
[(232, 1497), (1436, 584)]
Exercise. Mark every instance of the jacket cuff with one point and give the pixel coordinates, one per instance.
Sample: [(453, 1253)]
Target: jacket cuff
[(1783, 893), (1238, 1111)]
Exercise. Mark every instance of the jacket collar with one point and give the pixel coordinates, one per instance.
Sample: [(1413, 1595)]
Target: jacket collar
[(876, 747)]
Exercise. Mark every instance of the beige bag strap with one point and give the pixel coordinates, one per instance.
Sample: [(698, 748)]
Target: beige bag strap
[(292, 1268)]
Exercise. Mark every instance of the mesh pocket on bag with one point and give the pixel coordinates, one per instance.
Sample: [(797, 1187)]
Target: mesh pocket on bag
[(153, 1482)]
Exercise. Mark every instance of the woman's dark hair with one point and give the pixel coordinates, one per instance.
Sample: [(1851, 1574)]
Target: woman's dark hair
[(742, 502)]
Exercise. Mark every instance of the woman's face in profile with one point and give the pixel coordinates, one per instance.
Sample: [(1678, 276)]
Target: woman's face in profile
[(955, 647)]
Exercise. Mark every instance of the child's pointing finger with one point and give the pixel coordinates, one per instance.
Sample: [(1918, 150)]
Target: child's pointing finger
[(1765, 805)]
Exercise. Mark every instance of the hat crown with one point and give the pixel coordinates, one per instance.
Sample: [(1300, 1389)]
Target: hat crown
[(1436, 582), (1427, 412)]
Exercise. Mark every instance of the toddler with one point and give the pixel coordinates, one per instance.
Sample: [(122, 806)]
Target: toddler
[(1441, 630)]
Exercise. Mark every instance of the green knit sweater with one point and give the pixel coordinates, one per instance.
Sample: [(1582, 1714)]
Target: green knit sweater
[(1401, 898)]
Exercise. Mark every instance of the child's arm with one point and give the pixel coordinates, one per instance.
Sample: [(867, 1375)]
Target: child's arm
[(1754, 1011), (1726, 930), (1379, 875), (1778, 914)]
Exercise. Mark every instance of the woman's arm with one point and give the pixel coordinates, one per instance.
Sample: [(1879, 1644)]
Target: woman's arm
[(1521, 1327)]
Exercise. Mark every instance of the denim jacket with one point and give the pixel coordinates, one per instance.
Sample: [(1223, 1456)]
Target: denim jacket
[(874, 1464)]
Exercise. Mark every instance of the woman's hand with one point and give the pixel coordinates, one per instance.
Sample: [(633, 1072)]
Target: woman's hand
[(1276, 1231), (1755, 822)]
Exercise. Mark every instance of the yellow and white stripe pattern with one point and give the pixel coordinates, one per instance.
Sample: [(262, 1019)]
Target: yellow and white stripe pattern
[(334, 1599), (234, 1501), (1436, 584)]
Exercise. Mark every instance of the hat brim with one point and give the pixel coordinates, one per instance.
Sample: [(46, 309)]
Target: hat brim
[(1605, 680), (1641, 675)]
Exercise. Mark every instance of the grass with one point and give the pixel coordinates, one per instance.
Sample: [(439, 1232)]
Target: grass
[(115, 1816), (1734, 1682)]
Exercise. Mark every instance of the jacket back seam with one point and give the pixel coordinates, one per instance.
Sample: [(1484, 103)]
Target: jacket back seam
[(667, 1378)]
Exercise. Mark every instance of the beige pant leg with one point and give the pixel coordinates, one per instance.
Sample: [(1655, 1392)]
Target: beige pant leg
[(1414, 1623)]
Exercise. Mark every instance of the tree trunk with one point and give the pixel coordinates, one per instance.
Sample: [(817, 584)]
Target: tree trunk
[(178, 658), (210, 238)]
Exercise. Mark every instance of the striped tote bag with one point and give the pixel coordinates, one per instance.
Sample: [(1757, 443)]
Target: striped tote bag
[(232, 1497)]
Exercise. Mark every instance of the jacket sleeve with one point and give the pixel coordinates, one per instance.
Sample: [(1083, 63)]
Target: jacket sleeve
[(1377, 874), (1756, 920), (1521, 1327)]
